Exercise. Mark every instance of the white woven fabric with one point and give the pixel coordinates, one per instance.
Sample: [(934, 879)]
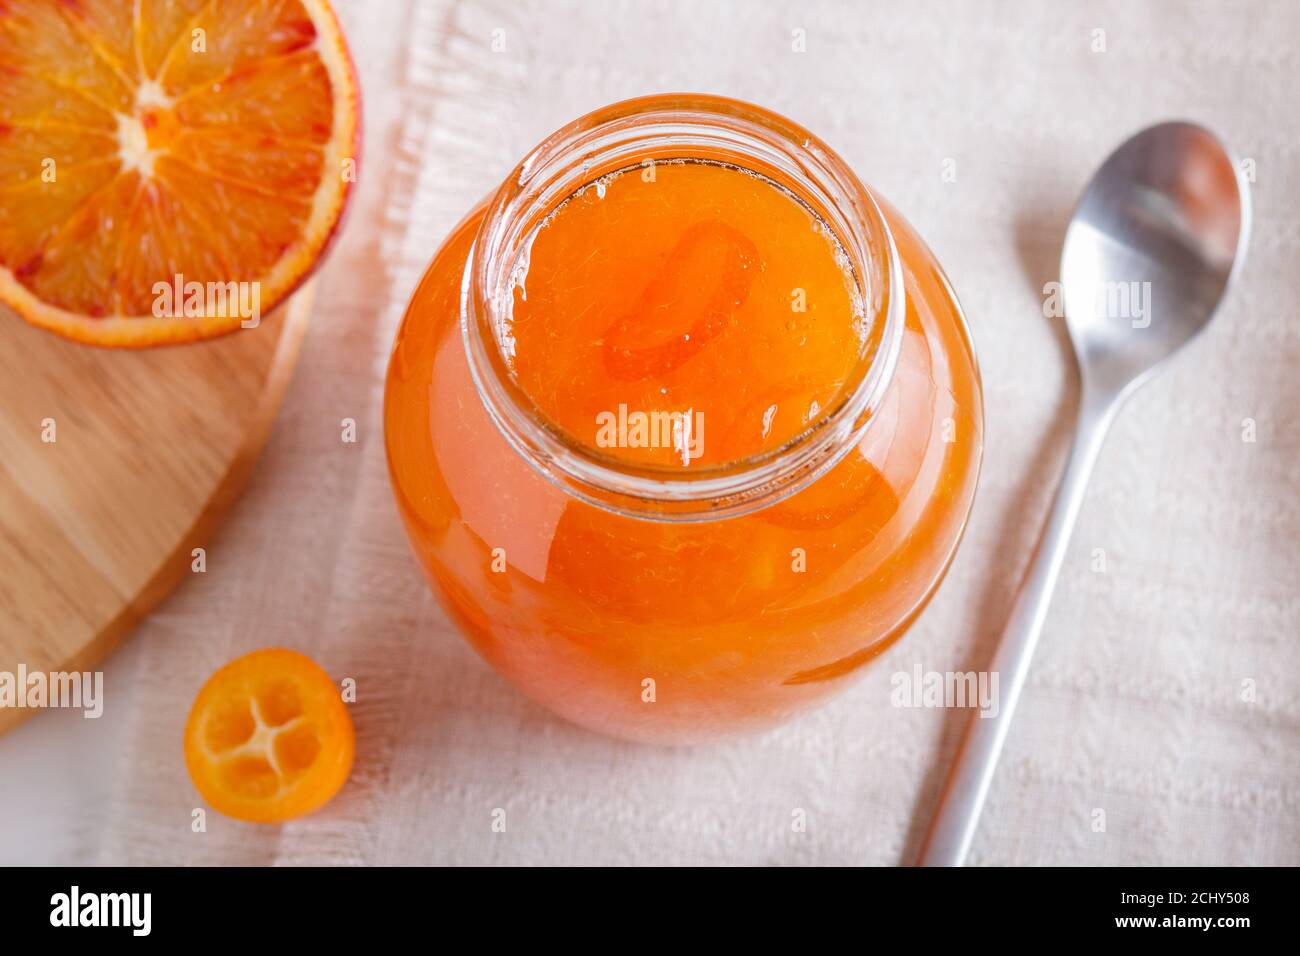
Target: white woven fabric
[(1135, 704)]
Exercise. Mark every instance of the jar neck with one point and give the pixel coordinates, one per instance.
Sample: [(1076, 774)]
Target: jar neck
[(640, 133)]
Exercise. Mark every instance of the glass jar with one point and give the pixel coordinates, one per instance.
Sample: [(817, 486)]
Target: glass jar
[(673, 607)]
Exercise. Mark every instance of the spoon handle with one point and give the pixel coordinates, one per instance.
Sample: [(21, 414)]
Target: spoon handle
[(963, 795)]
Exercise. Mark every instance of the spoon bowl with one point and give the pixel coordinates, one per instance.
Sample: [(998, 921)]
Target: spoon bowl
[(1152, 247)]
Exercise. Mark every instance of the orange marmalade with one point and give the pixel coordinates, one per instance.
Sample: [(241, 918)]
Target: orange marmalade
[(684, 424), (687, 301)]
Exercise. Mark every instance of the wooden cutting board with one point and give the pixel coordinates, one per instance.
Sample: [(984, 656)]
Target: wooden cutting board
[(114, 466)]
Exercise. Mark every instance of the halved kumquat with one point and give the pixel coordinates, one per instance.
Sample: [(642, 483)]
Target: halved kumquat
[(269, 737)]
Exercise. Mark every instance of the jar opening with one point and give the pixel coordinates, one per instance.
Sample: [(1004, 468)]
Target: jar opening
[(638, 134)]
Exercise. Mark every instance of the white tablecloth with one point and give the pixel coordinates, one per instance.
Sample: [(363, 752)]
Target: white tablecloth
[(1135, 703)]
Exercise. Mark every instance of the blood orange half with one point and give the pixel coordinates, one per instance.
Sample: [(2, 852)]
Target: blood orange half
[(168, 168)]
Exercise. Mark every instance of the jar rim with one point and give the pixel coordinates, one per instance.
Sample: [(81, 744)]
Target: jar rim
[(658, 128)]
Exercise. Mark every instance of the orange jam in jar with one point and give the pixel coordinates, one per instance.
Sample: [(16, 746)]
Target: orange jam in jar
[(684, 423)]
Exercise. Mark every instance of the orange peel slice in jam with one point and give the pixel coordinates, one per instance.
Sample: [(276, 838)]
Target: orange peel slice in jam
[(671, 321)]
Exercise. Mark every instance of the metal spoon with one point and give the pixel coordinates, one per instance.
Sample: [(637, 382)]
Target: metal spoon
[(1152, 248)]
